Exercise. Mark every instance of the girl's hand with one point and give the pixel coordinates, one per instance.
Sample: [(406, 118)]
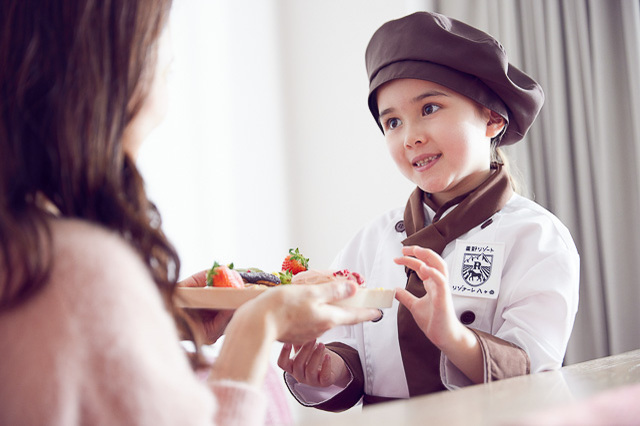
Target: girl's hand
[(434, 312), (435, 315), (313, 365)]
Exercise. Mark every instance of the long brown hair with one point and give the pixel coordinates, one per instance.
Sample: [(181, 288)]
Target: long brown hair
[(74, 73)]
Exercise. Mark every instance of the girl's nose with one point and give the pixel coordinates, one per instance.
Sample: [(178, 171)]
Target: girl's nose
[(413, 136)]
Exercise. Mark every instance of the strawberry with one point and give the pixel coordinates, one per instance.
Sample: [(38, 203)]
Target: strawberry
[(224, 276), (295, 262)]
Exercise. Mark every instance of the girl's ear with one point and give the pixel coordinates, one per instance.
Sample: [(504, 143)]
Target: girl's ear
[(495, 124)]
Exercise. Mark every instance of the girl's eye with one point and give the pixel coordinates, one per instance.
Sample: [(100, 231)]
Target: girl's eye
[(430, 109), (392, 123)]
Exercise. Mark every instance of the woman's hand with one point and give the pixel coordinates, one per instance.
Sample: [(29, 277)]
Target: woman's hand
[(314, 365), (434, 312), (301, 313), (199, 279), (290, 313), (210, 323)]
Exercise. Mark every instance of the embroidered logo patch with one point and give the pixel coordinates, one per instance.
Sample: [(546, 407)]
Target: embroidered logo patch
[(477, 269)]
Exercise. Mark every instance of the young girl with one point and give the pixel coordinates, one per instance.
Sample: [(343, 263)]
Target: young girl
[(491, 277)]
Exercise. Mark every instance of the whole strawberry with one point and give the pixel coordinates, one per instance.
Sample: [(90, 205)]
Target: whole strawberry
[(295, 262), (224, 276)]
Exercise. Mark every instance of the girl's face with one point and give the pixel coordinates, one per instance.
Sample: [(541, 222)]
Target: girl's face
[(439, 139)]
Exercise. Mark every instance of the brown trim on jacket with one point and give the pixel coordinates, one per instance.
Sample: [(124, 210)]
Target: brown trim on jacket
[(355, 389), (502, 359)]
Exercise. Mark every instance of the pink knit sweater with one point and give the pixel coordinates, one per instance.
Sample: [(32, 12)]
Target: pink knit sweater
[(97, 347)]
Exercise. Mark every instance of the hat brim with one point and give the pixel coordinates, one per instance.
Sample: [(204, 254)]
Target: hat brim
[(462, 83)]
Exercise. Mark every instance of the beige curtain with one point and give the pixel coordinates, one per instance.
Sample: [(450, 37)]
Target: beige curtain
[(580, 159)]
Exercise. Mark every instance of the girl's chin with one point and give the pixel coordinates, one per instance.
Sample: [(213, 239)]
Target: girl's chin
[(430, 187), (431, 184), (439, 192)]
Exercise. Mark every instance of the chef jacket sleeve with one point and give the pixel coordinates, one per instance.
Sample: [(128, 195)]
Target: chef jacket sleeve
[(332, 398), (501, 360), (533, 322)]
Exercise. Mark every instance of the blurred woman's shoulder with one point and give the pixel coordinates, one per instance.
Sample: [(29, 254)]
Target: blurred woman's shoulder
[(85, 252)]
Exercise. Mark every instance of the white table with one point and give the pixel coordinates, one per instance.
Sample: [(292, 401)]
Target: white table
[(497, 402)]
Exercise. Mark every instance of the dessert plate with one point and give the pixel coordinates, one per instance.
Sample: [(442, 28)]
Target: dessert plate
[(232, 298)]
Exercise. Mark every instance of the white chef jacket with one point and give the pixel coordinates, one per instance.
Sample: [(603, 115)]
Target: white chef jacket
[(535, 307)]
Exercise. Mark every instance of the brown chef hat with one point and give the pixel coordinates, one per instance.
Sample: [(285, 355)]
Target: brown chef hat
[(429, 46)]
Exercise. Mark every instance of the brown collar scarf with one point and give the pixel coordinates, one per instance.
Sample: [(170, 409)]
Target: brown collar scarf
[(420, 357)]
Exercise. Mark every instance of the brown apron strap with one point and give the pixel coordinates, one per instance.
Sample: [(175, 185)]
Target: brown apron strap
[(420, 357)]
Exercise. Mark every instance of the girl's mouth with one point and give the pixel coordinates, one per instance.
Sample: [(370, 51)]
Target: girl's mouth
[(425, 161)]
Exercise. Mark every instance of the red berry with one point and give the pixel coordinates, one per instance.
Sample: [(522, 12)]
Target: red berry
[(224, 276), (353, 276), (295, 262)]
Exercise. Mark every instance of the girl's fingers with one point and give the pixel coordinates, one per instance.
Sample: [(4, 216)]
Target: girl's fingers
[(428, 256), (406, 298), (436, 278), (301, 359), (314, 365), (324, 376), (284, 359), (424, 271)]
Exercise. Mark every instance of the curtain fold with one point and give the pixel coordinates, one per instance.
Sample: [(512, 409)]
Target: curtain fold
[(615, 161), (580, 159)]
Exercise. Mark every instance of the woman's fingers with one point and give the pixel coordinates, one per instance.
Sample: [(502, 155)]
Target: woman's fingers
[(353, 315), (199, 279), (214, 325), (210, 322), (313, 309), (337, 290)]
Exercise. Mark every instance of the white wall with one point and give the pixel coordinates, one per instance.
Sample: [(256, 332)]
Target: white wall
[(268, 143), (215, 167), (339, 172)]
